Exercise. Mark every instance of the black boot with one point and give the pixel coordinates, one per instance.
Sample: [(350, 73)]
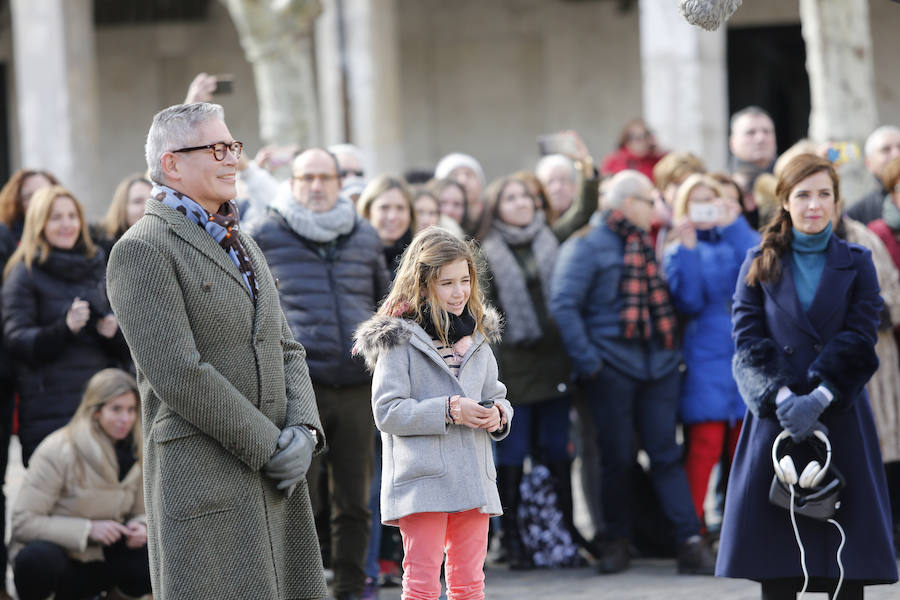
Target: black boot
[(615, 558), (508, 480), (695, 557)]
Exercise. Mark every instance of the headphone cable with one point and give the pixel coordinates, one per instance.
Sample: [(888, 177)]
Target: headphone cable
[(840, 549), (800, 544)]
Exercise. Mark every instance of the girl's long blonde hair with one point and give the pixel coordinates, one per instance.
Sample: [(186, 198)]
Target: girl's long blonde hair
[(415, 284), (105, 386), (34, 245)]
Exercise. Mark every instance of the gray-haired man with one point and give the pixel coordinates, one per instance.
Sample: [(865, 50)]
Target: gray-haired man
[(230, 420)]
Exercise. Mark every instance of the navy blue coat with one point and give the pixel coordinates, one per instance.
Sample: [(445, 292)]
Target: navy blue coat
[(701, 282), (780, 344)]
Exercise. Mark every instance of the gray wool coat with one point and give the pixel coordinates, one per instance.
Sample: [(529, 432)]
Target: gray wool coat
[(429, 465), (219, 378)]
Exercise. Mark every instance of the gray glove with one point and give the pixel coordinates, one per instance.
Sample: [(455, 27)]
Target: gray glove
[(799, 414), (291, 461)]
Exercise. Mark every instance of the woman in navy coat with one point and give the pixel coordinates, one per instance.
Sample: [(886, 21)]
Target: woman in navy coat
[(805, 316)]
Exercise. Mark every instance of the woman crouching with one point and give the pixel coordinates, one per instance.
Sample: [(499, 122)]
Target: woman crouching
[(78, 523)]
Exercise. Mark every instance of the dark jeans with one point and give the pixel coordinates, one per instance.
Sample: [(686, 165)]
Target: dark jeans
[(7, 406), (43, 568), (346, 415), (620, 405), (373, 567), (545, 424)]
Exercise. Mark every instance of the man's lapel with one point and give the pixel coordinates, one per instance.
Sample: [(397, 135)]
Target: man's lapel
[(198, 238)]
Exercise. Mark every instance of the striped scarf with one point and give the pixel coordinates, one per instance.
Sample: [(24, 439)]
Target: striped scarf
[(647, 309)]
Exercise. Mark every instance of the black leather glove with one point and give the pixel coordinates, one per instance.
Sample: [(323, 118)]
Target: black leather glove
[(291, 462)]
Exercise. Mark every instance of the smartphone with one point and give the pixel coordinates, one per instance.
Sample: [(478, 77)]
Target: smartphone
[(224, 84), (703, 213), (487, 403), (556, 143)]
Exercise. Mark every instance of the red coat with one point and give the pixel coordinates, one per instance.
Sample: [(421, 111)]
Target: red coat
[(882, 230), (887, 236), (622, 159)]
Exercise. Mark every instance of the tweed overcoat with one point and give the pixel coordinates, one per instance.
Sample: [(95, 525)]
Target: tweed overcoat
[(219, 378), (429, 465), (779, 344)]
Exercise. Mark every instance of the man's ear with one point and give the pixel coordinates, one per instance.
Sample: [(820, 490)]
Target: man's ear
[(169, 163)]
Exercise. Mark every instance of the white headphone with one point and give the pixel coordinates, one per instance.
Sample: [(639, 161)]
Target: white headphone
[(813, 473)]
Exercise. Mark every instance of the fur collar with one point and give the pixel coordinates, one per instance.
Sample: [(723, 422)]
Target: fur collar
[(381, 333)]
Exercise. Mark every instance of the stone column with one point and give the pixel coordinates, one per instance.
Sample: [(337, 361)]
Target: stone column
[(841, 79), (373, 55), (56, 93), (685, 88), (277, 41), (331, 69)]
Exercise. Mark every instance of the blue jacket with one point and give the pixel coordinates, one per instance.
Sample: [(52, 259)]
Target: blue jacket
[(585, 302), (777, 344), (701, 282)]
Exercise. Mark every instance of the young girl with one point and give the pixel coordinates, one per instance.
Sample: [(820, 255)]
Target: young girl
[(438, 403)]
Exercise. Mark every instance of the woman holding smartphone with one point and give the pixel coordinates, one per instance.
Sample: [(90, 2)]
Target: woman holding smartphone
[(701, 265), (57, 322)]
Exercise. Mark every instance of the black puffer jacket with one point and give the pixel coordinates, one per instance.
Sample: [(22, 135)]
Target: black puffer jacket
[(326, 291), (8, 245), (52, 365)]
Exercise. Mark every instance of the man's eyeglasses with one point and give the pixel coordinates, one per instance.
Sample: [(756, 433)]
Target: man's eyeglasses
[(219, 149), (309, 178)]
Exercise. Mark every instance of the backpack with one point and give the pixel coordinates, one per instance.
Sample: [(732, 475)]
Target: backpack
[(543, 532)]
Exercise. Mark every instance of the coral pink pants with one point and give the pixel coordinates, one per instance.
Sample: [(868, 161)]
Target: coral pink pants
[(705, 446), (426, 536)]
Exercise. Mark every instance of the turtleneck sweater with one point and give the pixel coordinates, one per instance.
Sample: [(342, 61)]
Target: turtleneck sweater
[(808, 259)]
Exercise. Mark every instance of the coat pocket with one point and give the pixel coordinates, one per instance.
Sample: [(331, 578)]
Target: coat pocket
[(417, 457), (489, 468), (198, 476)]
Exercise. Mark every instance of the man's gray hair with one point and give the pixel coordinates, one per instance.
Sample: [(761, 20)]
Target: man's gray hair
[(625, 184), (874, 139), (749, 110), (550, 162), (173, 128)]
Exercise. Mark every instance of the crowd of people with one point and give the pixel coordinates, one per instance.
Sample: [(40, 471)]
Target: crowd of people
[(640, 301)]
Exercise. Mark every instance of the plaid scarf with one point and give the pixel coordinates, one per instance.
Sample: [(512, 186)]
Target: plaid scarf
[(222, 226), (647, 306)]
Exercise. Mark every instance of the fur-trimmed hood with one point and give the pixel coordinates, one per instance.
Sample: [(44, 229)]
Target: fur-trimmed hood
[(381, 333)]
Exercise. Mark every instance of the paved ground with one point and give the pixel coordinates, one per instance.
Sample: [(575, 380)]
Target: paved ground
[(647, 579)]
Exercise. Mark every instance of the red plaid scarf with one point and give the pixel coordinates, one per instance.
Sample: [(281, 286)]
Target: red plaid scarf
[(647, 309)]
